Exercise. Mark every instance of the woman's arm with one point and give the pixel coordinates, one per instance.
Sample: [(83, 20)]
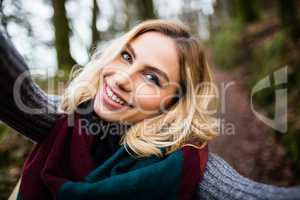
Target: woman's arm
[(221, 181), (33, 125)]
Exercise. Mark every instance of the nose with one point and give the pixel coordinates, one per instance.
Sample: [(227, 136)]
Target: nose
[(124, 80)]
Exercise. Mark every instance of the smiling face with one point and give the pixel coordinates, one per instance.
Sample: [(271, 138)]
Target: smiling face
[(141, 81)]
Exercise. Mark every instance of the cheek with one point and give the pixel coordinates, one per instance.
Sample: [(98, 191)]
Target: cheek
[(148, 103), (153, 99)]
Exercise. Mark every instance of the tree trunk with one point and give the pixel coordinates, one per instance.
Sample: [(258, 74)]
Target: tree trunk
[(62, 33), (145, 9), (289, 18), (138, 10), (246, 11), (95, 32)]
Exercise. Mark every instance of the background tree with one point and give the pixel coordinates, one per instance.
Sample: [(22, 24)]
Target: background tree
[(289, 18), (62, 33), (138, 10), (244, 10), (145, 9), (95, 32)]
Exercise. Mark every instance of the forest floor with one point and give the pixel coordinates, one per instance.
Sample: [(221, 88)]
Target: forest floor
[(251, 148)]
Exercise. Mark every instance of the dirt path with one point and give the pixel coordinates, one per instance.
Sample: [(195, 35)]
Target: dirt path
[(251, 150)]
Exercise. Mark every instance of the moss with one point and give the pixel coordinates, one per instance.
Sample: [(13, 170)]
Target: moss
[(3, 130), (225, 44)]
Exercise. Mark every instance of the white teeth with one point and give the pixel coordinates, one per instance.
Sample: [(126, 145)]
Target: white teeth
[(113, 96)]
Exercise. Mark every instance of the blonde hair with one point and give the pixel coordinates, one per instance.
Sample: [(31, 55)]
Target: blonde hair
[(187, 122)]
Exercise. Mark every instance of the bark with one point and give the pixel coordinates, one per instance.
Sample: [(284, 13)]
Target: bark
[(289, 18), (145, 9), (62, 34), (95, 33), (246, 11)]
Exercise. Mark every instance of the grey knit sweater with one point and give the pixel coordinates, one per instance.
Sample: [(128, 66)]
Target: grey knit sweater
[(220, 181)]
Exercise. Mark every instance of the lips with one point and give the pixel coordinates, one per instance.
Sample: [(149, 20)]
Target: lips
[(113, 100)]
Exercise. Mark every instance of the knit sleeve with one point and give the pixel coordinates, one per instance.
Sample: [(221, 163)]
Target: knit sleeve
[(14, 102), (221, 181)]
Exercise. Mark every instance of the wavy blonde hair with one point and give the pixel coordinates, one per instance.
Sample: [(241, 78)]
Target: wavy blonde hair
[(189, 120)]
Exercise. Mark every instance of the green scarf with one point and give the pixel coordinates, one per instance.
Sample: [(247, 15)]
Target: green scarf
[(66, 165)]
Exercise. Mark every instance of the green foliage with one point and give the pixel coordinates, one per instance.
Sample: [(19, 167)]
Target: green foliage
[(266, 59), (245, 11), (13, 149), (269, 55), (225, 44), (3, 130), (292, 143), (9, 183)]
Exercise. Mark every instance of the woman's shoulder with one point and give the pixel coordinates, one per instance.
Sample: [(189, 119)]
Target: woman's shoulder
[(195, 157), (193, 165)]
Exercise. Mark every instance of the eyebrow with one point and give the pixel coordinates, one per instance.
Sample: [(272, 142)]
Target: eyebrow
[(157, 70)]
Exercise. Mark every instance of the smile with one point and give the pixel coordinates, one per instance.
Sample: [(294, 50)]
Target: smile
[(113, 100), (113, 96)]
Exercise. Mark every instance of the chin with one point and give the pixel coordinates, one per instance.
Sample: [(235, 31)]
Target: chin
[(105, 114)]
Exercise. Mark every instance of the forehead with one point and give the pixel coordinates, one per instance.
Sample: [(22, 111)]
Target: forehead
[(157, 50)]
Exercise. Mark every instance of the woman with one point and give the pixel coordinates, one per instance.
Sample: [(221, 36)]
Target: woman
[(148, 91)]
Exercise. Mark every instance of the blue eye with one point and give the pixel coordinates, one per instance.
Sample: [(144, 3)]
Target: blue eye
[(126, 56), (153, 78)]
